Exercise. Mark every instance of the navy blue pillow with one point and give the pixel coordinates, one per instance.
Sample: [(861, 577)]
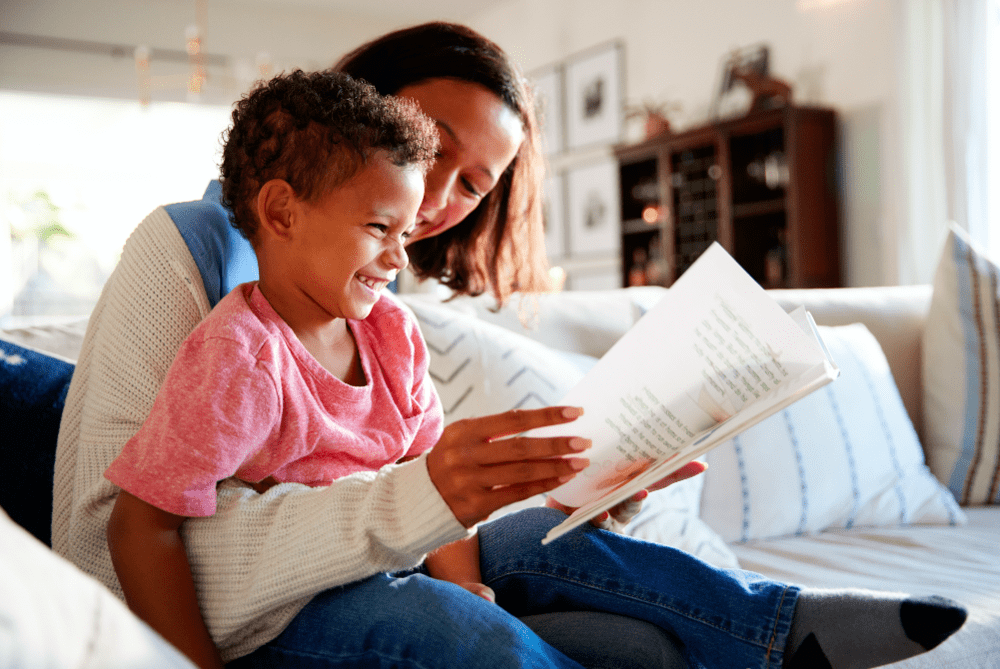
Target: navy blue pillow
[(33, 390)]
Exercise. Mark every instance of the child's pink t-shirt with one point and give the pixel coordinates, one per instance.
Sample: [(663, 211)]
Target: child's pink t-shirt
[(244, 398)]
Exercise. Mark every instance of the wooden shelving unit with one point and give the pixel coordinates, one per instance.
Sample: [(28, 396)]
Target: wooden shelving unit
[(763, 186)]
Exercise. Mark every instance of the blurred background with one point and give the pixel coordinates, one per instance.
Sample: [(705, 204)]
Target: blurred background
[(109, 108)]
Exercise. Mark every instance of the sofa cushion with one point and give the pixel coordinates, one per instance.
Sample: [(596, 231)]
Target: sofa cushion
[(33, 388), (844, 456), (961, 373)]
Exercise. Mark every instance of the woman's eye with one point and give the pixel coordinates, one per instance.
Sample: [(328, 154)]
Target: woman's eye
[(470, 189)]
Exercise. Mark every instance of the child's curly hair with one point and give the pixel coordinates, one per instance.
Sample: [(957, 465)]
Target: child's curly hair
[(316, 131)]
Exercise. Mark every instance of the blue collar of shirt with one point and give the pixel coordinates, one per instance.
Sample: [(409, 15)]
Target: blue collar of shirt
[(224, 258)]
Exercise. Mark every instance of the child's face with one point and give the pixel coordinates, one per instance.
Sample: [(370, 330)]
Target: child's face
[(350, 243)]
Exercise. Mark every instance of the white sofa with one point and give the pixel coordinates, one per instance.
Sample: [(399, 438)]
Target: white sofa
[(487, 360)]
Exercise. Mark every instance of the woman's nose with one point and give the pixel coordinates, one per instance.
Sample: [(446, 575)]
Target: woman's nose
[(436, 192)]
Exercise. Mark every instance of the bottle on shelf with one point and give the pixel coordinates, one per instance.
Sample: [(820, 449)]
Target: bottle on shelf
[(656, 266), (637, 270)]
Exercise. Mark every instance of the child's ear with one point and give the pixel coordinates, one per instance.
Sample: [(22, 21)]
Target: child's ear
[(276, 208)]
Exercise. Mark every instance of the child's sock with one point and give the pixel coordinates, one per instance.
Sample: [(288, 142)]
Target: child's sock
[(857, 629)]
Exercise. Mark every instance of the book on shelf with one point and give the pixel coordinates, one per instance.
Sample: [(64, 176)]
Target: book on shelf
[(713, 357)]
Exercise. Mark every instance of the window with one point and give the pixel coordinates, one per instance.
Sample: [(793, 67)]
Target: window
[(76, 176)]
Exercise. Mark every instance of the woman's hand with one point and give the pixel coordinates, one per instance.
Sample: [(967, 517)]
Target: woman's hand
[(478, 467), (620, 514)]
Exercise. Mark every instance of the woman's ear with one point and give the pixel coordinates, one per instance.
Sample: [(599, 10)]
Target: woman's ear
[(276, 208)]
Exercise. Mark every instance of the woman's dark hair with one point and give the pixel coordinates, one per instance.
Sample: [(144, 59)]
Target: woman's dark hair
[(500, 245), (315, 131)]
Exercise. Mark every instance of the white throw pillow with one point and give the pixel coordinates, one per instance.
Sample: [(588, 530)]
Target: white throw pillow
[(54, 615), (845, 456), (961, 373), (670, 517)]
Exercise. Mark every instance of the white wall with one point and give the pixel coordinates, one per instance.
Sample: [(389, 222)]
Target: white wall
[(842, 54)]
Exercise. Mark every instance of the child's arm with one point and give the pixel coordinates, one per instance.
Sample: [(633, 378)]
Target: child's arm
[(152, 566), (458, 562)]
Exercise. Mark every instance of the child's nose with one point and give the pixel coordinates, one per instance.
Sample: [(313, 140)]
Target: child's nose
[(395, 255)]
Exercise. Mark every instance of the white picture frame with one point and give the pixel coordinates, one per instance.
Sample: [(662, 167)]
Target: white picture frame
[(593, 209), (548, 86), (594, 101), (554, 215)]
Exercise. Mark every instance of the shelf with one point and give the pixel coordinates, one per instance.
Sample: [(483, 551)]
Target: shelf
[(754, 184), (638, 226), (761, 208)]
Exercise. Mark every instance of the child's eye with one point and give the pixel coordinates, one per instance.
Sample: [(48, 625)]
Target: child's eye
[(381, 227), (407, 234)]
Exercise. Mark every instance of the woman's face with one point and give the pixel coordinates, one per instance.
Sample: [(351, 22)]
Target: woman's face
[(480, 136)]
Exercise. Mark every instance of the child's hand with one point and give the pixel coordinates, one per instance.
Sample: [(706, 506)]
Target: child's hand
[(484, 591)]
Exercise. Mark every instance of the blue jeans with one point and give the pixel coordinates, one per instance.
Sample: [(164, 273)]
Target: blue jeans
[(723, 618)]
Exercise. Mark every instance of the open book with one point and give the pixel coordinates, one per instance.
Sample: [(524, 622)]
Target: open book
[(713, 357)]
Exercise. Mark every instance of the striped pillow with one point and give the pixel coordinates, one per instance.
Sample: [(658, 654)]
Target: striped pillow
[(961, 373), (845, 456)]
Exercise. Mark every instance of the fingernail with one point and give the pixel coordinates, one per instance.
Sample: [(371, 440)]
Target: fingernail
[(603, 517), (641, 495), (572, 412), (578, 463), (579, 443)]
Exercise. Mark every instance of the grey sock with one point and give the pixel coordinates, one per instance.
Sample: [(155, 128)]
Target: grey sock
[(860, 629)]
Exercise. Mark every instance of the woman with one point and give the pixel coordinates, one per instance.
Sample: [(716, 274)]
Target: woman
[(183, 258), (283, 592)]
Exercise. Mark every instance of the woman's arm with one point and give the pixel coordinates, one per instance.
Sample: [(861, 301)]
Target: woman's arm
[(152, 567)]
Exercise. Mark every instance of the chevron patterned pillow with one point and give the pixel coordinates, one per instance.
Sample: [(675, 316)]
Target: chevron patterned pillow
[(480, 369)]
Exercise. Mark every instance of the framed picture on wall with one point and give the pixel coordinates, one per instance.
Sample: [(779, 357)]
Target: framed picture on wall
[(555, 215), (548, 84), (593, 215), (595, 96)]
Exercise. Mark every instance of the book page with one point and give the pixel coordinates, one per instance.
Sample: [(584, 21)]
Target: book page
[(714, 348)]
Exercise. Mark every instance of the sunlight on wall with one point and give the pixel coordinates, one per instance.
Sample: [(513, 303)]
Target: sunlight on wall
[(95, 167)]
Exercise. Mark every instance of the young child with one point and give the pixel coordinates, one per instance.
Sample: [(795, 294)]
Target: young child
[(309, 374)]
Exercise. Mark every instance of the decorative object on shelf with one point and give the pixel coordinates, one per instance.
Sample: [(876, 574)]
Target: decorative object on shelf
[(594, 95), (750, 68), (593, 211), (655, 116), (548, 85)]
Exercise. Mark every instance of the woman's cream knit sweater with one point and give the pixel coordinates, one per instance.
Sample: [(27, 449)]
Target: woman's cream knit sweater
[(260, 558)]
